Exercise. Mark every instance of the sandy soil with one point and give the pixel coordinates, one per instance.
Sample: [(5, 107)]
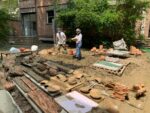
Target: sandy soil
[(137, 72)]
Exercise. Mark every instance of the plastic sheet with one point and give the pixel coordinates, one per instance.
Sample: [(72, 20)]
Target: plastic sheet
[(7, 104)]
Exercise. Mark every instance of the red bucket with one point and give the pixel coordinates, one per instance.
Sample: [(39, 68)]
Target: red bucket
[(71, 52)]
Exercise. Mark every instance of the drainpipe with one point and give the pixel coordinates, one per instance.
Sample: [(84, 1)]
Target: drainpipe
[(36, 11), (20, 18), (54, 22)]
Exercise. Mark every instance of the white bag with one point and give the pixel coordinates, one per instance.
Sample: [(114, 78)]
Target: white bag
[(120, 44), (34, 48)]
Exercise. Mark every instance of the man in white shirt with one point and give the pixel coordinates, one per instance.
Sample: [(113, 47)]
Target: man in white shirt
[(78, 39), (61, 39)]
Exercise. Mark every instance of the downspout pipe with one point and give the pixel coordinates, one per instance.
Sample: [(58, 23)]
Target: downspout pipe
[(54, 22)]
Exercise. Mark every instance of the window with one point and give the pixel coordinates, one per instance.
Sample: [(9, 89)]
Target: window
[(50, 16)]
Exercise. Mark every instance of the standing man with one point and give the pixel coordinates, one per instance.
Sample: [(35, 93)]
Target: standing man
[(61, 39), (78, 39)]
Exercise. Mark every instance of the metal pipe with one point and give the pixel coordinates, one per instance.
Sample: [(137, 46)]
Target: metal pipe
[(36, 11), (28, 99), (36, 83), (54, 21)]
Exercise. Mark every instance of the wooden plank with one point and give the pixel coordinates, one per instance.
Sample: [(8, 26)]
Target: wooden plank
[(35, 76), (28, 83), (108, 65), (61, 67), (42, 87), (105, 67), (22, 85), (116, 72), (29, 100), (44, 102)]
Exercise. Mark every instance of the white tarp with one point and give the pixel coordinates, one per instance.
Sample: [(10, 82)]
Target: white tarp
[(120, 44), (7, 104), (14, 50), (75, 102)]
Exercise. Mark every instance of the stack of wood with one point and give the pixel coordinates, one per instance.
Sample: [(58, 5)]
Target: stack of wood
[(39, 97), (25, 84), (139, 89), (135, 51)]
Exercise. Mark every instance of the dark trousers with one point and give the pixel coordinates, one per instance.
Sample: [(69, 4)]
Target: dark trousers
[(61, 46)]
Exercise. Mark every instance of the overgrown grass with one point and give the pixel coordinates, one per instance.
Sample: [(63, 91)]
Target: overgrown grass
[(145, 49)]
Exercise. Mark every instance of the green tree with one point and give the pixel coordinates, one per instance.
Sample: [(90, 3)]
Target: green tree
[(4, 26), (132, 10), (102, 22), (11, 6)]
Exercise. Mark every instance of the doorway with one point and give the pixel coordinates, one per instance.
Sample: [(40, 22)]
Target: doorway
[(29, 24)]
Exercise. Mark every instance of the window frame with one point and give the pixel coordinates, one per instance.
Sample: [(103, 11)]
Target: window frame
[(48, 16)]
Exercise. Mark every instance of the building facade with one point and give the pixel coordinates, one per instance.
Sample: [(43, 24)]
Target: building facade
[(37, 17), (145, 29)]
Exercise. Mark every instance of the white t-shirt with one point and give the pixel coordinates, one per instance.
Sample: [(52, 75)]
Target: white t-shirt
[(61, 37), (79, 38)]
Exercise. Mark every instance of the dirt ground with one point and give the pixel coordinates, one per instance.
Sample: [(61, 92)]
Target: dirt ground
[(138, 71)]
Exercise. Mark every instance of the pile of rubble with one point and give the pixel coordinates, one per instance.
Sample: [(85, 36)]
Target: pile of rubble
[(54, 51), (103, 51), (110, 59), (36, 77), (100, 50), (135, 51)]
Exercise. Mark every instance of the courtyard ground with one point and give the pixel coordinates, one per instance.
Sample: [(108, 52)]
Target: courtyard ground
[(137, 72)]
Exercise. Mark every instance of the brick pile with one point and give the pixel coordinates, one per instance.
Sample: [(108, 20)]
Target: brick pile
[(119, 91)]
